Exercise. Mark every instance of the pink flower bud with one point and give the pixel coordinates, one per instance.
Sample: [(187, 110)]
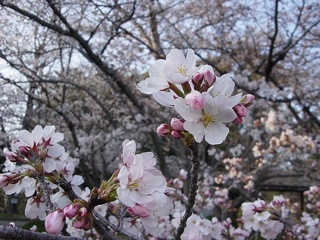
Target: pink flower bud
[(247, 100), (163, 130), (83, 211), (240, 110), (177, 134), (83, 222), (139, 211), (238, 120), (183, 174), (177, 124), (25, 152), (54, 222), (71, 210), (209, 78), (195, 100), (78, 222), (197, 78), (88, 222), (11, 156), (3, 180)]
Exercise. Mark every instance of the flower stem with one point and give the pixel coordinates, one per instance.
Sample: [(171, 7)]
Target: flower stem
[(46, 193), (193, 189)]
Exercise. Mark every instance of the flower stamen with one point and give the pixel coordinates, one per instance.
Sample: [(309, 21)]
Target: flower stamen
[(182, 70), (207, 119)]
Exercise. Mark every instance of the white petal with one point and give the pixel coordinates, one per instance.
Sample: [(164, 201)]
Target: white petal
[(196, 129), (56, 151), (37, 134), (137, 197), (143, 87), (216, 133), (136, 169), (123, 176), (77, 180), (26, 137), (176, 56), (186, 111), (191, 61), (156, 70), (225, 115), (157, 83), (49, 165), (224, 85), (206, 67), (164, 98), (234, 100), (123, 196), (129, 150), (56, 137)]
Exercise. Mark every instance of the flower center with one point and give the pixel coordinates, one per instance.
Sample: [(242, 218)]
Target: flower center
[(182, 70), (207, 119)]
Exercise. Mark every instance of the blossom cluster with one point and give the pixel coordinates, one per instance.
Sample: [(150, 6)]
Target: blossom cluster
[(142, 188), (38, 161), (203, 100), (38, 165)]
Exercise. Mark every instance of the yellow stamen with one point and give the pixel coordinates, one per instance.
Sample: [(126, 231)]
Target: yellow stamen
[(207, 119), (182, 70)]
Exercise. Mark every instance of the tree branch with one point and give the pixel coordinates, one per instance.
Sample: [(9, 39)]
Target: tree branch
[(15, 233), (193, 189)]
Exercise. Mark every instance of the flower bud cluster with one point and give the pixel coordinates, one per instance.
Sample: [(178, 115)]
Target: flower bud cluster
[(35, 165), (175, 129), (77, 211), (203, 100)]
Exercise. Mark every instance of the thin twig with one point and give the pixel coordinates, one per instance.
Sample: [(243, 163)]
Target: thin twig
[(193, 189), (46, 193)]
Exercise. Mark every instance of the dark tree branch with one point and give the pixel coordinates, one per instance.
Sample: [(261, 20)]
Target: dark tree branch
[(15, 233), (193, 189), (109, 72)]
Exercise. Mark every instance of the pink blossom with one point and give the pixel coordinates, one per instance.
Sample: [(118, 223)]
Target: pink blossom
[(3, 180), (196, 100), (247, 100), (208, 122), (54, 222), (177, 124), (163, 130), (177, 134), (139, 211), (238, 120), (183, 174), (240, 110), (71, 211), (197, 78), (209, 77), (35, 208)]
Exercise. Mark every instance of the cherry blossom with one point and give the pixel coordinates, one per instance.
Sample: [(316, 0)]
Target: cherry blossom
[(142, 187), (36, 208), (208, 122), (54, 222)]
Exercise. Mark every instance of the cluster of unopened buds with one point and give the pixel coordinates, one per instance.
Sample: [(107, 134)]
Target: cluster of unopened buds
[(77, 211), (203, 100)]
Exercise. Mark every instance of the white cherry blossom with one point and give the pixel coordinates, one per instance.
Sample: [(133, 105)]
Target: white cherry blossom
[(208, 122)]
